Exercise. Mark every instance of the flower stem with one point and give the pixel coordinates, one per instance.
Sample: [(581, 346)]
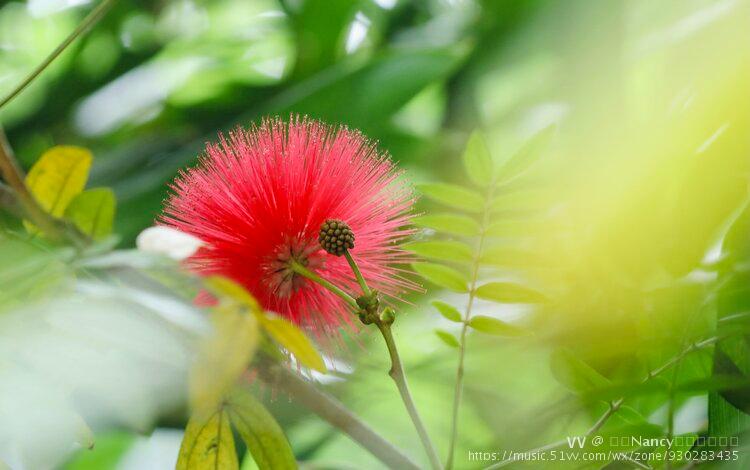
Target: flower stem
[(303, 271), (357, 273), (399, 377), (91, 19)]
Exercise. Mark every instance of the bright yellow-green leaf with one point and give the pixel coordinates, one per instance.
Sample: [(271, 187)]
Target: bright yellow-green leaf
[(443, 250), (493, 326), (93, 212), (223, 286), (527, 155), (223, 356), (448, 223), (507, 292), (293, 340), (262, 434), (447, 310), (521, 202), (58, 176), (208, 444), (443, 276), (477, 160), (447, 338), (453, 196)]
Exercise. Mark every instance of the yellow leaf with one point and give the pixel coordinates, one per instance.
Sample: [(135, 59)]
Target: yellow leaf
[(293, 340), (223, 286), (208, 443), (58, 176), (93, 212), (223, 356)]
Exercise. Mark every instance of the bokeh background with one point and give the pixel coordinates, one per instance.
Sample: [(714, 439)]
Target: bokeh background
[(623, 222)]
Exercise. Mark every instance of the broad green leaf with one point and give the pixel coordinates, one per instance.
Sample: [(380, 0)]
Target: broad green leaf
[(208, 443), (575, 374), (446, 310), (447, 338), (448, 223), (443, 276), (93, 212), (507, 292), (477, 160), (223, 356), (527, 155), (293, 340), (58, 176), (223, 286), (262, 434), (443, 250), (493, 326), (453, 196)]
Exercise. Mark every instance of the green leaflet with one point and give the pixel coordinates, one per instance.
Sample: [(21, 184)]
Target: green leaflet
[(493, 326), (527, 155), (447, 338), (442, 250), (507, 292), (262, 434), (453, 224), (93, 212), (477, 160), (442, 276), (453, 196), (446, 310), (575, 374)]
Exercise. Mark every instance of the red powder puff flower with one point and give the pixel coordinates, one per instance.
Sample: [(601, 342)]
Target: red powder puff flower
[(258, 199)]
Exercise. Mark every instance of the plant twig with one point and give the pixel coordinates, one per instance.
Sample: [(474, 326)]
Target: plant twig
[(615, 405), (334, 412), (399, 377), (91, 19), (9, 201), (357, 273), (459, 385)]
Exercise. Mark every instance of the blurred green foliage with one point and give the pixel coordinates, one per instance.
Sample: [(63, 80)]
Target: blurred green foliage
[(620, 225)]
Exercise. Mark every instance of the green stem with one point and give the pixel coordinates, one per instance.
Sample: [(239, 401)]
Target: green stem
[(458, 391), (91, 19), (399, 377), (357, 273), (303, 271)]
